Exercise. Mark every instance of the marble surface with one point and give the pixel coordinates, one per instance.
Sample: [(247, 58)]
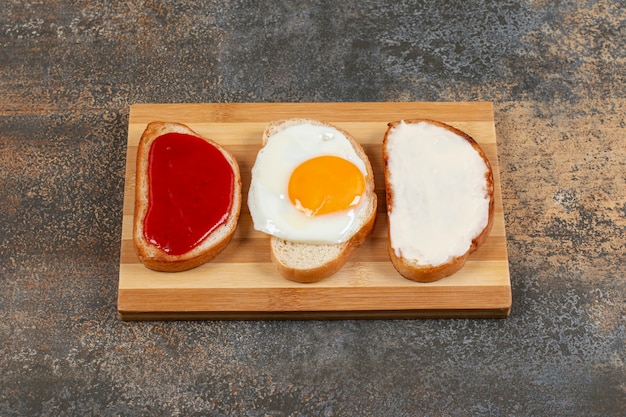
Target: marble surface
[(555, 72)]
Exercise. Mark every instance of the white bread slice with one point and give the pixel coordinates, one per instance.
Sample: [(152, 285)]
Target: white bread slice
[(307, 262), (430, 217), (152, 256)]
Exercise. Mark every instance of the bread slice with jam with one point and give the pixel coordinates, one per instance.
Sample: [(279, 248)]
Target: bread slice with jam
[(187, 198)]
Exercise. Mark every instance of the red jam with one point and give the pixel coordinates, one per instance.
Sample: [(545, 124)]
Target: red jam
[(190, 192)]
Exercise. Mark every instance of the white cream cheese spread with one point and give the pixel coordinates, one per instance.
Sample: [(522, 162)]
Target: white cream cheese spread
[(440, 199)]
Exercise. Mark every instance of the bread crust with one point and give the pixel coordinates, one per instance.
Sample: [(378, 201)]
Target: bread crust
[(409, 268), (324, 269), (152, 256)]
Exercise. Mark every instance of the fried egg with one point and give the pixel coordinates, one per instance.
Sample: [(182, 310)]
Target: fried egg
[(308, 185)]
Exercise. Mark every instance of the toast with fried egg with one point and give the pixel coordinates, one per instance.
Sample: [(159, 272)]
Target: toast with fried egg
[(187, 198), (309, 259), (439, 194)]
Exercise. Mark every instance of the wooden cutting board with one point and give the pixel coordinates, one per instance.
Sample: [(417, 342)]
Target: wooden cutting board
[(241, 282)]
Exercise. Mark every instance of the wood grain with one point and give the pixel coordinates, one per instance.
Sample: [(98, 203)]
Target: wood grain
[(241, 282)]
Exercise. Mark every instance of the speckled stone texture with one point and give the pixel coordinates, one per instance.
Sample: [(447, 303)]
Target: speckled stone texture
[(555, 72)]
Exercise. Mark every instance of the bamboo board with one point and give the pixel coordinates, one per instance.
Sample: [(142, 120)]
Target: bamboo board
[(241, 282)]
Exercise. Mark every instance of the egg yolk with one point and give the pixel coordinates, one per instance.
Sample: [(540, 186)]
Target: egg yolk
[(326, 184)]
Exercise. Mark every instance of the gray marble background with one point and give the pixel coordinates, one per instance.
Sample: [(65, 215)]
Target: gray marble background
[(555, 72)]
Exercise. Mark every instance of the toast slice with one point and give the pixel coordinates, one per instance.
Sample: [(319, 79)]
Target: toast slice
[(156, 256), (439, 190), (311, 262)]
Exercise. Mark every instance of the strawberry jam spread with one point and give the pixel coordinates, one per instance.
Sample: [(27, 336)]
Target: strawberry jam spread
[(190, 192)]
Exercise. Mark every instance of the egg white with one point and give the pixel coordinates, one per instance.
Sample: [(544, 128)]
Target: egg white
[(268, 200)]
